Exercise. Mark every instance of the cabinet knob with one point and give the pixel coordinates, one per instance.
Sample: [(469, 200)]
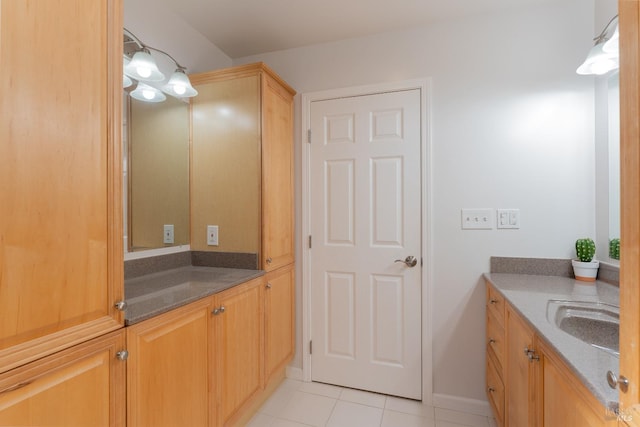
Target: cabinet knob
[(491, 389), (120, 305), (615, 381), (222, 309), (493, 301), (268, 286), (269, 260), (492, 341), (531, 354), (122, 355)]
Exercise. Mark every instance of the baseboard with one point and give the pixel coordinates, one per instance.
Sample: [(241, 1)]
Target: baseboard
[(462, 404), (294, 373)]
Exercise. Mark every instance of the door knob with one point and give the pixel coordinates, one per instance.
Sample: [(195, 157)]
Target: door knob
[(409, 261)]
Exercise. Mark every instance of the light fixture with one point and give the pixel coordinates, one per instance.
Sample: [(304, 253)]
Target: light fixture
[(144, 92), (179, 85), (603, 56), (143, 67), (126, 81), (140, 65), (611, 45)]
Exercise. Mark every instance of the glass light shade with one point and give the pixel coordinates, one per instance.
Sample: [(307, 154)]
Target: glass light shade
[(143, 67), (146, 93), (126, 81), (611, 46), (598, 62), (179, 85)]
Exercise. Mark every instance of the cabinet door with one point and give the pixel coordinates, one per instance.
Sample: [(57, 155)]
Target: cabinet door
[(564, 402), (277, 175), (519, 373), (168, 368), (279, 319), (238, 348), (81, 386), (60, 191)]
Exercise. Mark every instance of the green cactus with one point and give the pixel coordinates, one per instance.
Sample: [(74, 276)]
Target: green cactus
[(614, 248), (585, 249)]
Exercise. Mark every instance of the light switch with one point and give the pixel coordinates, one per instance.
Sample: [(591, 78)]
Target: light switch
[(212, 235), (509, 218), (477, 219)]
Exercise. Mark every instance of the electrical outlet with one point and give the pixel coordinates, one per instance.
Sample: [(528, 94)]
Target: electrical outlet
[(477, 219), (212, 235), (168, 233)]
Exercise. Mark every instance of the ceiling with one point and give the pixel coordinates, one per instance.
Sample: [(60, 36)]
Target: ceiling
[(247, 27)]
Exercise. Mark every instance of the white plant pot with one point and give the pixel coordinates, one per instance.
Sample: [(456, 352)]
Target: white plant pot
[(585, 271)]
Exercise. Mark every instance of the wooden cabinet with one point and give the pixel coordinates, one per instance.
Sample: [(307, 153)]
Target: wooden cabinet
[(534, 388), (495, 353), (563, 400), (60, 197), (277, 173), (238, 348), (168, 369), (279, 319), (519, 371), (80, 386), (242, 152)]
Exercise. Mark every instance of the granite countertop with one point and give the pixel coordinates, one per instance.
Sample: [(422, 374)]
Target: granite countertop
[(529, 296), (157, 293)]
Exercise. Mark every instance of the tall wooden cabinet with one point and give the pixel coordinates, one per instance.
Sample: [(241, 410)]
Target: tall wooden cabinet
[(60, 180), (242, 163)]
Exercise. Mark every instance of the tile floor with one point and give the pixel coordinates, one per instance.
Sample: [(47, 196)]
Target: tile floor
[(300, 404)]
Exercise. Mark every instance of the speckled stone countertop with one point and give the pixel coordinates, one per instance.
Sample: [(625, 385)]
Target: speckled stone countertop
[(530, 294), (157, 293)]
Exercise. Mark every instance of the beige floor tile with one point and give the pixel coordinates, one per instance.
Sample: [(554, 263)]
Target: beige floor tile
[(347, 414), (261, 420), (363, 397), (461, 418), (400, 419), (321, 389), (309, 409), (408, 406)]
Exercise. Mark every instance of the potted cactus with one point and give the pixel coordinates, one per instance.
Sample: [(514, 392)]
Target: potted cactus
[(585, 268)]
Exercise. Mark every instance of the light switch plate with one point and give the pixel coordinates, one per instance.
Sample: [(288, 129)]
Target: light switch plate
[(508, 218), (477, 219), (212, 235)]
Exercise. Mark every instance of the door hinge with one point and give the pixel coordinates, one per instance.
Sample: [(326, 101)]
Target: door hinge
[(310, 347), (309, 136), (309, 241)]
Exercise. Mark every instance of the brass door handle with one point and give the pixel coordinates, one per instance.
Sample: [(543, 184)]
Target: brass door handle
[(409, 261)]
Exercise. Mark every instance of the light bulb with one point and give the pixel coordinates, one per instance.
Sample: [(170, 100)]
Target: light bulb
[(179, 89), (148, 94), (144, 72)]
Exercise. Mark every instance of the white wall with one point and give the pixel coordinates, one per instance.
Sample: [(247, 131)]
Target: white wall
[(159, 27), (512, 126)]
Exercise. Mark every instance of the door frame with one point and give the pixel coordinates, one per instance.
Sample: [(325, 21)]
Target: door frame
[(424, 85)]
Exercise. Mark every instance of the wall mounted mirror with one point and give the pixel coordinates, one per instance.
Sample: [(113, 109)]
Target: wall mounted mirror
[(157, 174)]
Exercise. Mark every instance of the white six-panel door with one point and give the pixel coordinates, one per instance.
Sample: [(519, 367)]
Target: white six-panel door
[(365, 213)]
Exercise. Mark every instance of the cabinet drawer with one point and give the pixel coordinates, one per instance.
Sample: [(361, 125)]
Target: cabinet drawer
[(495, 304), (495, 392), (495, 339)]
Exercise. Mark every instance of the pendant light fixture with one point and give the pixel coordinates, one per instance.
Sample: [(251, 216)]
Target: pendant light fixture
[(146, 93), (143, 67), (179, 85), (140, 65), (603, 56)]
